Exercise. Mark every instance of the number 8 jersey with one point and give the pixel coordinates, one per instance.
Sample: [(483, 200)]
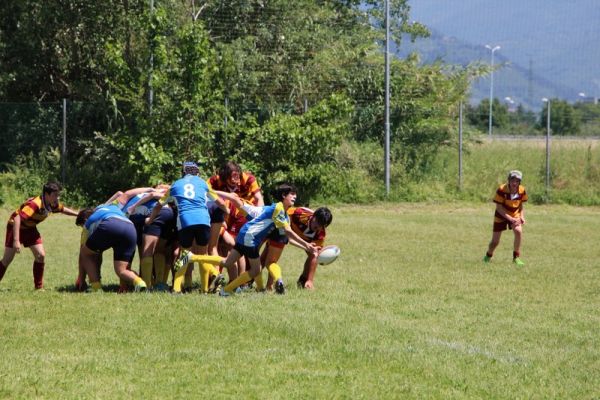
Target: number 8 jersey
[(190, 194)]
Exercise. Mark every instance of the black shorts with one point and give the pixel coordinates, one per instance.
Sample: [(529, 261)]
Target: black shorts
[(277, 239), (250, 252), (217, 215), (200, 233), (117, 234), (138, 221), (162, 225)]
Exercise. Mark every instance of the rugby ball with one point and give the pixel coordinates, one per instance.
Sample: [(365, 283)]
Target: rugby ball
[(328, 254)]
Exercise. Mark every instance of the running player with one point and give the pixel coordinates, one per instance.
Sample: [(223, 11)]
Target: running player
[(509, 214)]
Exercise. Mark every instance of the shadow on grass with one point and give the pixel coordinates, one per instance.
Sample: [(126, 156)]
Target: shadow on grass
[(114, 288)]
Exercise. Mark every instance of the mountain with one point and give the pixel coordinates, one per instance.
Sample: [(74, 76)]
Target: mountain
[(549, 48)]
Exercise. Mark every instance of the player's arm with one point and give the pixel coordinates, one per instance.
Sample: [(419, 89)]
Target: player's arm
[(216, 196), (258, 198), (293, 236), (504, 213), (69, 212), (522, 215), (154, 213), (159, 205), (156, 194), (16, 231), (293, 242), (234, 198), (113, 197), (124, 198)]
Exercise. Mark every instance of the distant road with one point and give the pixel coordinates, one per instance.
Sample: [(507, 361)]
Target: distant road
[(528, 137)]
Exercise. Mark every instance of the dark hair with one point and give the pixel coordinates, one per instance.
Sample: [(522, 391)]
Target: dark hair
[(228, 169), (83, 216), (283, 190), (323, 216), (51, 187)]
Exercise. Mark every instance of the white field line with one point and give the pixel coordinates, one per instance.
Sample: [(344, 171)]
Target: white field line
[(477, 351)]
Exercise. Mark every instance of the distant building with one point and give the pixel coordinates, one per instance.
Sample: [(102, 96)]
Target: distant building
[(588, 99)]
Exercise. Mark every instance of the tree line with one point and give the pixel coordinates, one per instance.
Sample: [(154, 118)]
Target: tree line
[(291, 90), (578, 119)]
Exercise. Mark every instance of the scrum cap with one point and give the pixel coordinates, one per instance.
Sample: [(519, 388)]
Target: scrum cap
[(190, 168), (515, 174)]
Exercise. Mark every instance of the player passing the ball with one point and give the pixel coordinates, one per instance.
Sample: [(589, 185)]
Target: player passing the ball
[(509, 214), (310, 226), (255, 231)]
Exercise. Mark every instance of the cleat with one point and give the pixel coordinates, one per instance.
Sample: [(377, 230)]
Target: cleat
[(279, 287), (183, 260), (124, 288), (223, 293), (161, 287), (140, 287), (487, 259), (216, 282), (518, 262)]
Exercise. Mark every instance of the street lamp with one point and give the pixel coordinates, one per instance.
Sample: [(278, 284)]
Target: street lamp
[(493, 50), (510, 103)]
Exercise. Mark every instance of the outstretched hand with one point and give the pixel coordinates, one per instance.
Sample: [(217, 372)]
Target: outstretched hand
[(313, 249)]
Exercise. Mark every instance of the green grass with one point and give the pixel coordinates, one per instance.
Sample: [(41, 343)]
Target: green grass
[(408, 311), (574, 172)]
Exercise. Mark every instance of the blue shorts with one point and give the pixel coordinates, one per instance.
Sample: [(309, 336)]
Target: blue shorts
[(138, 221), (217, 215), (250, 252), (186, 236), (163, 225), (116, 234)]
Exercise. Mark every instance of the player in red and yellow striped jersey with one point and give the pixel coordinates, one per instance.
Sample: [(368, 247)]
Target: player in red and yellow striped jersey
[(21, 229), (310, 226), (509, 214), (231, 179)]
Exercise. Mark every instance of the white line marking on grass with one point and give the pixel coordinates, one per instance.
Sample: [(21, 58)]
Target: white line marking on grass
[(474, 350)]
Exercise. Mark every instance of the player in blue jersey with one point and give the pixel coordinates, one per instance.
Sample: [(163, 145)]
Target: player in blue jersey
[(107, 227), (153, 237), (253, 234), (190, 195)]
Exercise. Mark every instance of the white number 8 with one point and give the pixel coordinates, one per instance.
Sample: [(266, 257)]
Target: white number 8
[(188, 191)]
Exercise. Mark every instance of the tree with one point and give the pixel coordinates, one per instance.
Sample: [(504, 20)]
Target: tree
[(564, 120), (479, 116)]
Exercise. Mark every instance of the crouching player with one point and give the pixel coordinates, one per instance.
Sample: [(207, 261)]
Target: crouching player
[(310, 226), (190, 195), (252, 235), (107, 227)]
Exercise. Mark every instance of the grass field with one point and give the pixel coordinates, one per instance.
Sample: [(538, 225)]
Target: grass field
[(408, 311)]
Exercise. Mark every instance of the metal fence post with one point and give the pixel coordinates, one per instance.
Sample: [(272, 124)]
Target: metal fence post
[(226, 110), (63, 155), (548, 151), (460, 143)]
